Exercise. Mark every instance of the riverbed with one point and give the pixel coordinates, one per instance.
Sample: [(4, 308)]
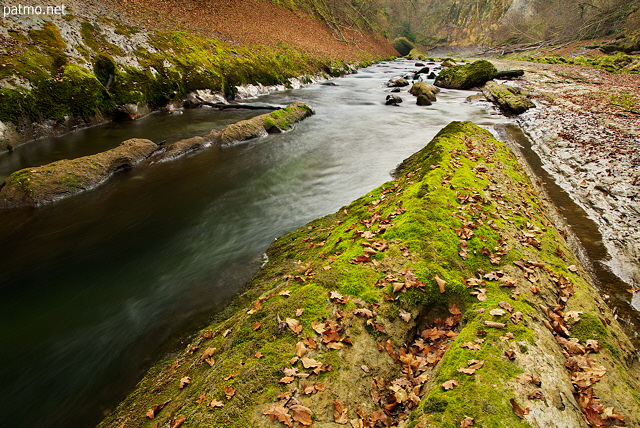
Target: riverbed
[(98, 286)]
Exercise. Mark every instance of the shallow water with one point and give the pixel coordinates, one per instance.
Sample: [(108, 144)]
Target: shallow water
[(98, 286)]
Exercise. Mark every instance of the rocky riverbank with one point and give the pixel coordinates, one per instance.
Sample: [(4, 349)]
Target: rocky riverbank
[(445, 297), (586, 130)]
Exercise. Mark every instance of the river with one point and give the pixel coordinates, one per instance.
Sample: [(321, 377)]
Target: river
[(95, 288)]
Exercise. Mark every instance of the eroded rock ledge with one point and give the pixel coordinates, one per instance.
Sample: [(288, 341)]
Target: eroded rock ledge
[(32, 187), (444, 297)]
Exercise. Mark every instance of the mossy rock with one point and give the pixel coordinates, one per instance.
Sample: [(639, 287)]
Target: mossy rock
[(32, 187), (425, 89), (419, 215), (507, 98), (466, 76), (403, 45), (259, 126)]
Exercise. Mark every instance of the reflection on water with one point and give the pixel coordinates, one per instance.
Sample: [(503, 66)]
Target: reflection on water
[(95, 287)]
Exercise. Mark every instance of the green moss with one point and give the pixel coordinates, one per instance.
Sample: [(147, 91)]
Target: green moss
[(466, 76), (48, 36)]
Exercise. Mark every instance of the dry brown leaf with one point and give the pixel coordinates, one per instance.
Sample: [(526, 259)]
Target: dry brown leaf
[(516, 317), (572, 268), (151, 413), (534, 289), (340, 413), (301, 414), (201, 399), (495, 324), (177, 422), (185, 381), (279, 413), (208, 353), (517, 409), (310, 363), (299, 312), (216, 403), (506, 306), (450, 384), (441, 283), (259, 355), (287, 380), (226, 332), (229, 391), (363, 312), (294, 325), (466, 422), (285, 293), (256, 326), (301, 349), (406, 316), (497, 312), (454, 310)]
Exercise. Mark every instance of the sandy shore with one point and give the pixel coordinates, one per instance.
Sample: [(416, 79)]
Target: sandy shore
[(586, 130)]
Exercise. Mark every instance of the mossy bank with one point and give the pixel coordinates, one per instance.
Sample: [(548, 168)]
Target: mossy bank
[(61, 73), (446, 295)]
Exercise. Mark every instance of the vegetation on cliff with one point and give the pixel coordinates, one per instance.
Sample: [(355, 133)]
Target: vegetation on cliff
[(444, 297)]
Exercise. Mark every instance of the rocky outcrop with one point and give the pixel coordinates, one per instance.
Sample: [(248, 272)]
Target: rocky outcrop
[(259, 126), (466, 76), (33, 187), (510, 99), (446, 297), (41, 185)]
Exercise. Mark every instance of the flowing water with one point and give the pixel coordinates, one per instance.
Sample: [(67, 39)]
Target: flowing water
[(96, 287)]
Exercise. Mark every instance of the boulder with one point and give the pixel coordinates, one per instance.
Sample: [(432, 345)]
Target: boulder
[(393, 100), (432, 75), (423, 70), (419, 64), (425, 89), (507, 98), (466, 76), (397, 82), (423, 100), (259, 126), (448, 63), (32, 187), (396, 90)]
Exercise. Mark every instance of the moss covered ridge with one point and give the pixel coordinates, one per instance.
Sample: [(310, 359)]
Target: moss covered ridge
[(32, 187), (443, 296)]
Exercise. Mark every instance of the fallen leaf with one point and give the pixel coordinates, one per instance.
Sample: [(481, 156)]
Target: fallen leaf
[(517, 409), (185, 381), (516, 317), (256, 326), (201, 399), (287, 380), (177, 422), (497, 312), (406, 316), (450, 384), (208, 353), (151, 413), (572, 268), (299, 312), (441, 283), (454, 310), (301, 349), (216, 403), (294, 325), (534, 289), (279, 413), (340, 413), (229, 391), (363, 313), (226, 332), (259, 355), (506, 306), (301, 414), (466, 422), (310, 363), (285, 293)]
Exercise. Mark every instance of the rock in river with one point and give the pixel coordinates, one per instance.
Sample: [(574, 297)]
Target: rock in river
[(466, 76)]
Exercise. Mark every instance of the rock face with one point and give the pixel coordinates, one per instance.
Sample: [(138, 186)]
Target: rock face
[(447, 294), (466, 76), (45, 184), (508, 98)]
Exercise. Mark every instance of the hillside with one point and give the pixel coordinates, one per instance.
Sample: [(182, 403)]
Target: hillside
[(104, 59), (495, 22)]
